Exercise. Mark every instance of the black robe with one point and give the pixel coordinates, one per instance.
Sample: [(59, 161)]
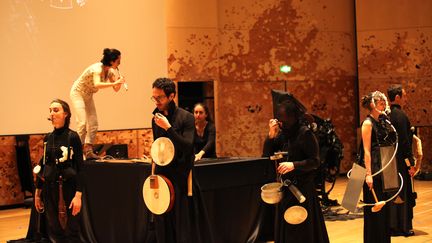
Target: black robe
[(302, 147), (207, 142), (401, 215), (71, 172), (376, 224), (187, 221)]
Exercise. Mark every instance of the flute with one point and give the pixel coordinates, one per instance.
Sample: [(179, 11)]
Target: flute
[(125, 85)]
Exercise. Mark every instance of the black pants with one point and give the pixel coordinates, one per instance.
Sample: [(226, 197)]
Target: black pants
[(51, 198)]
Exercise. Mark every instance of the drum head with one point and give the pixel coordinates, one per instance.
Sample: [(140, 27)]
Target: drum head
[(158, 200), (295, 215), (162, 151)]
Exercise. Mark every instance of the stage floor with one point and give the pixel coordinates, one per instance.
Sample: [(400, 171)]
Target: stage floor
[(14, 222)]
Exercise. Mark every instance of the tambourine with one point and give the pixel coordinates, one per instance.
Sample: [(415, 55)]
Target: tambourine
[(162, 151)]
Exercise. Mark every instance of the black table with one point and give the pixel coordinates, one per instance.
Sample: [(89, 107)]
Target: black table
[(114, 210)]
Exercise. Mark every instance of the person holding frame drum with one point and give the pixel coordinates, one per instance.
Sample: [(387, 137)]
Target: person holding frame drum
[(187, 220)]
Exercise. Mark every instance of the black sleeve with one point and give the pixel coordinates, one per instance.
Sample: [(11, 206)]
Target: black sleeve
[(39, 182), (271, 145), (310, 147), (184, 140), (77, 159), (211, 138), (401, 124)]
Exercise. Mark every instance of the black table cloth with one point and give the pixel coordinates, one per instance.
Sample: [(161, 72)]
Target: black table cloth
[(114, 210)]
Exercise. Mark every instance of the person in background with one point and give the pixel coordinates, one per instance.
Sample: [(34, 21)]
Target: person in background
[(401, 213), (97, 76), (59, 184), (205, 133)]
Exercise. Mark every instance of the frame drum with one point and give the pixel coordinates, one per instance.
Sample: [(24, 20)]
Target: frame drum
[(158, 194), (162, 151)]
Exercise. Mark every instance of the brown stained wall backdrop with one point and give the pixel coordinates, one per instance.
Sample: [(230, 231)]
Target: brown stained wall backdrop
[(10, 188), (395, 46), (241, 45)]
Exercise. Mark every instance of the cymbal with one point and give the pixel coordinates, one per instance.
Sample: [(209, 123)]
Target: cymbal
[(162, 151), (295, 215)]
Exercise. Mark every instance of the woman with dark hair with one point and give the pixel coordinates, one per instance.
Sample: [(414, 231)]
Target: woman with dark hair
[(97, 76), (59, 184), (373, 133), (288, 133), (205, 133)]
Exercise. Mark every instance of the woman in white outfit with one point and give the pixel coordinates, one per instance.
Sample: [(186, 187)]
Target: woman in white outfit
[(100, 75)]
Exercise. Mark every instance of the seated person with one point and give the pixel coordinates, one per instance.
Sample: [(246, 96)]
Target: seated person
[(205, 133)]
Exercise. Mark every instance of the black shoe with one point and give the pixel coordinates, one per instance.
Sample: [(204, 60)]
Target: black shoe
[(397, 233), (409, 233), (402, 233)]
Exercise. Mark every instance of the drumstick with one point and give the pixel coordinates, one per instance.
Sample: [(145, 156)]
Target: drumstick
[(374, 195), (44, 155), (378, 204), (190, 183)]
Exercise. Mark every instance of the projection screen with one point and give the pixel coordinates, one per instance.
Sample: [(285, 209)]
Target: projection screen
[(46, 44)]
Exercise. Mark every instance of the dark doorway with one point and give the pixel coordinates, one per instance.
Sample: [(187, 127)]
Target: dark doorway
[(192, 92)]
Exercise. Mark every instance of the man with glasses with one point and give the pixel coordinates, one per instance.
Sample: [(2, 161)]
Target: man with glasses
[(183, 223)]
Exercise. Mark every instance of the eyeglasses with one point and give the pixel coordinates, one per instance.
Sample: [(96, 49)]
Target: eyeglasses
[(157, 98)]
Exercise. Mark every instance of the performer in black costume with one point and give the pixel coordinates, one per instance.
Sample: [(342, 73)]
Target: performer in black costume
[(401, 214), (205, 133), (187, 222), (63, 159), (288, 133), (374, 132)]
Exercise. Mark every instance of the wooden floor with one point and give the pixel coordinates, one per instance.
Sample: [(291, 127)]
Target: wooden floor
[(14, 222)]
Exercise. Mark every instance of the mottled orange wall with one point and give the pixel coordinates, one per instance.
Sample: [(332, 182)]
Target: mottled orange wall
[(138, 141), (395, 46), (241, 45), (10, 188)]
